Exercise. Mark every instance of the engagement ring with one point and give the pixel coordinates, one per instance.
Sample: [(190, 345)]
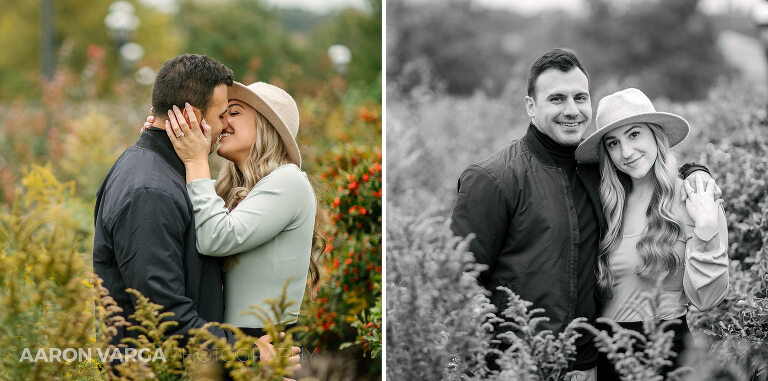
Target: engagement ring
[(180, 135)]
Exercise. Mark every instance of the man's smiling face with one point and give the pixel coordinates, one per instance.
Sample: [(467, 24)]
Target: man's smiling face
[(561, 107), (215, 114)]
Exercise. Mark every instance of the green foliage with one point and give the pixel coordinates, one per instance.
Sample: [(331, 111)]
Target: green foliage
[(78, 30), (152, 329), (47, 297), (335, 115), (251, 38), (80, 138), (44, 288), (245, 35), (78, 123), (353, 249), (71, 129), (89, 146), (369, 329), (257, 41), (361, 33), (206, 356)]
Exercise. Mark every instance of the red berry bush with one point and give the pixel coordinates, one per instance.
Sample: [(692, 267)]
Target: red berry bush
[(349, 305)]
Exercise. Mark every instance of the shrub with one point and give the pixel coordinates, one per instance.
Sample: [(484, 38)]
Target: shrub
[(438, 316), (534, 354), (47, 299), (369, 329), (44, 289), (440, 322), (738, 327), (432, 139), (353, 248)]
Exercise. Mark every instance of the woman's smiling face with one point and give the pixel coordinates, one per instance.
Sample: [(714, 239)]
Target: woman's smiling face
[(632, 149), (237, 138)]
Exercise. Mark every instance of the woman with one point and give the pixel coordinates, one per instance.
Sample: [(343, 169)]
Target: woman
[(652, 235), (260, 213)]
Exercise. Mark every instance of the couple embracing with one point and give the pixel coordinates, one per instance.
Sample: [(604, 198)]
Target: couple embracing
[(584, 227), (206, 250)]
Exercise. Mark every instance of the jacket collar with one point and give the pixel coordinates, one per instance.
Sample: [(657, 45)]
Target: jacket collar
[(589, 173), (156, 140), (535, 146)]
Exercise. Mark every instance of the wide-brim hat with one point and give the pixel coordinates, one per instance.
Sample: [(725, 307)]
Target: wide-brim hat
[(626, 107), (277, 106)]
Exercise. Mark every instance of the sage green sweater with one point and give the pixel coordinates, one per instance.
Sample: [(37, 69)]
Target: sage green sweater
[(271, 229)]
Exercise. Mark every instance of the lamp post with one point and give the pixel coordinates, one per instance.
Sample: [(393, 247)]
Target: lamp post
[(760, 17), (46, 46), (121, 22), (340, 57)]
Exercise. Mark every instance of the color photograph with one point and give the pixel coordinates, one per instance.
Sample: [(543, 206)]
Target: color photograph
[(191, 190)]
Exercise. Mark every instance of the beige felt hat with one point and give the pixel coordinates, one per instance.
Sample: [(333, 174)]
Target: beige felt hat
[(626, 107), (277, 106)]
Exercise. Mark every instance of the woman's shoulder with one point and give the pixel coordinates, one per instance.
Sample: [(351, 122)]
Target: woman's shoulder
[(286, 175)]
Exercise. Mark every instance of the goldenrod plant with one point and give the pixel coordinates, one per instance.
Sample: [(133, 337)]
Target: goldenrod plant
[(44, 292), (639, 355), (54, 311), (534, 354), (438, 316)]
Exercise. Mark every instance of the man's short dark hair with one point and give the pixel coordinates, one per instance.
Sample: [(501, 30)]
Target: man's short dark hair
[(188, 78), (560, 59)]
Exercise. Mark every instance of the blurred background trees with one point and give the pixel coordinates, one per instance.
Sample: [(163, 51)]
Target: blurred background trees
[(257, 40), (670, 49), (667, 48)]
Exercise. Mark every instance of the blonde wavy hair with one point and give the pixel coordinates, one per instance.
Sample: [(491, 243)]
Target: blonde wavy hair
[(267, 153), (656, 244)]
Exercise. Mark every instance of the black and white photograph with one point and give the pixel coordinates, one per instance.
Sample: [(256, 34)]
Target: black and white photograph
[(576, 190)]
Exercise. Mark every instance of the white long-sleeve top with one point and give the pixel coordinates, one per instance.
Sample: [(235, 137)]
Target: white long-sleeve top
[(700, 277), (271, 229)]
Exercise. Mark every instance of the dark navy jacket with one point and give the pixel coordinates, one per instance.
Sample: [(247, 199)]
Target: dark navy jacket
[(145, 238)]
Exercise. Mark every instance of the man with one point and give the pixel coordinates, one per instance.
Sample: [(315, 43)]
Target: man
[(535, 212), (145, 231)]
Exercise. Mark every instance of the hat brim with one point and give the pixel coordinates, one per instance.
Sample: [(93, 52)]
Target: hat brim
[(242, 93), (674, 126)]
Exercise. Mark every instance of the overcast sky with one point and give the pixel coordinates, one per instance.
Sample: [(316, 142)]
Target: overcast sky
[(531, 7), (523, 6), (576, 6), (320, 6)]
